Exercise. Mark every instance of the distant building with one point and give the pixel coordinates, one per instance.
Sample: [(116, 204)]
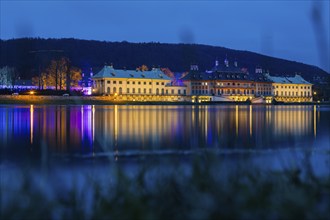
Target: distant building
[(291, 89), (136, 85)]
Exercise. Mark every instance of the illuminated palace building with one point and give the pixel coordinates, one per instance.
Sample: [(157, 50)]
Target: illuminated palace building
[(291, 89), (226, 83), (134, 85), (223, 83)]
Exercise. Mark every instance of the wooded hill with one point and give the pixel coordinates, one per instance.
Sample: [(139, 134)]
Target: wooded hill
[(29, 55)]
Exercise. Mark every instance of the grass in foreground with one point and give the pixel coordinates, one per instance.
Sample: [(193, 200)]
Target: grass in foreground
[(200, 190)]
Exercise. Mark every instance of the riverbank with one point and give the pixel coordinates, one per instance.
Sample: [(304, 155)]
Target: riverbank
[(74, 100), (104, 100)]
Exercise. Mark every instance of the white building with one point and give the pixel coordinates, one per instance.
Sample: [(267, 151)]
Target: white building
[(291, 89), (135, 83)]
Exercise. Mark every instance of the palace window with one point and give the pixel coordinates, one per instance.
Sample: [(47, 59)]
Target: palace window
[(150, 91), (157, 83), (162, 83), (108, 81), (139, 83), (127, 82), (127, 90), (114, 82), (144, 91), (139, 90), (120, 82), (144, 83), (149, 83)]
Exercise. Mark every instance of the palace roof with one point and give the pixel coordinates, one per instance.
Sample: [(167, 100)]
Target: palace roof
[(110, 72), (297, 79), (219, 72)]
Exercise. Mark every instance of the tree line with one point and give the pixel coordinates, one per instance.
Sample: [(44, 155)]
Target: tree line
[(88, 54), (59, 75)]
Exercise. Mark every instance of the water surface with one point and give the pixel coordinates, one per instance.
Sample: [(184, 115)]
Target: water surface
[(34, 133)]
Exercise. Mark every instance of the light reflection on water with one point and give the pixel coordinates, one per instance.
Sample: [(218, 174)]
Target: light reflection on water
[(93, 130)]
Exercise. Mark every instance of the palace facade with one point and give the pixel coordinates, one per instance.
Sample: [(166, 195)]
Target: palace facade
[(224, 82), (291, 89), (137, 85)]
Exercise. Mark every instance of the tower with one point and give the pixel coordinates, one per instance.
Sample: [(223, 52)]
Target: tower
[(226, 62)]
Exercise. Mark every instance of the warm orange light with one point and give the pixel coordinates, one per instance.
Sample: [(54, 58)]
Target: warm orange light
[(31, 92)]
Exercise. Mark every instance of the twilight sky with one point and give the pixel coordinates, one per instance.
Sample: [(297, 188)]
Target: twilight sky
[(284, 29)]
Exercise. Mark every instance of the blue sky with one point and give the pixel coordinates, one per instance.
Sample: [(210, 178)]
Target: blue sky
[(283, 29)]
